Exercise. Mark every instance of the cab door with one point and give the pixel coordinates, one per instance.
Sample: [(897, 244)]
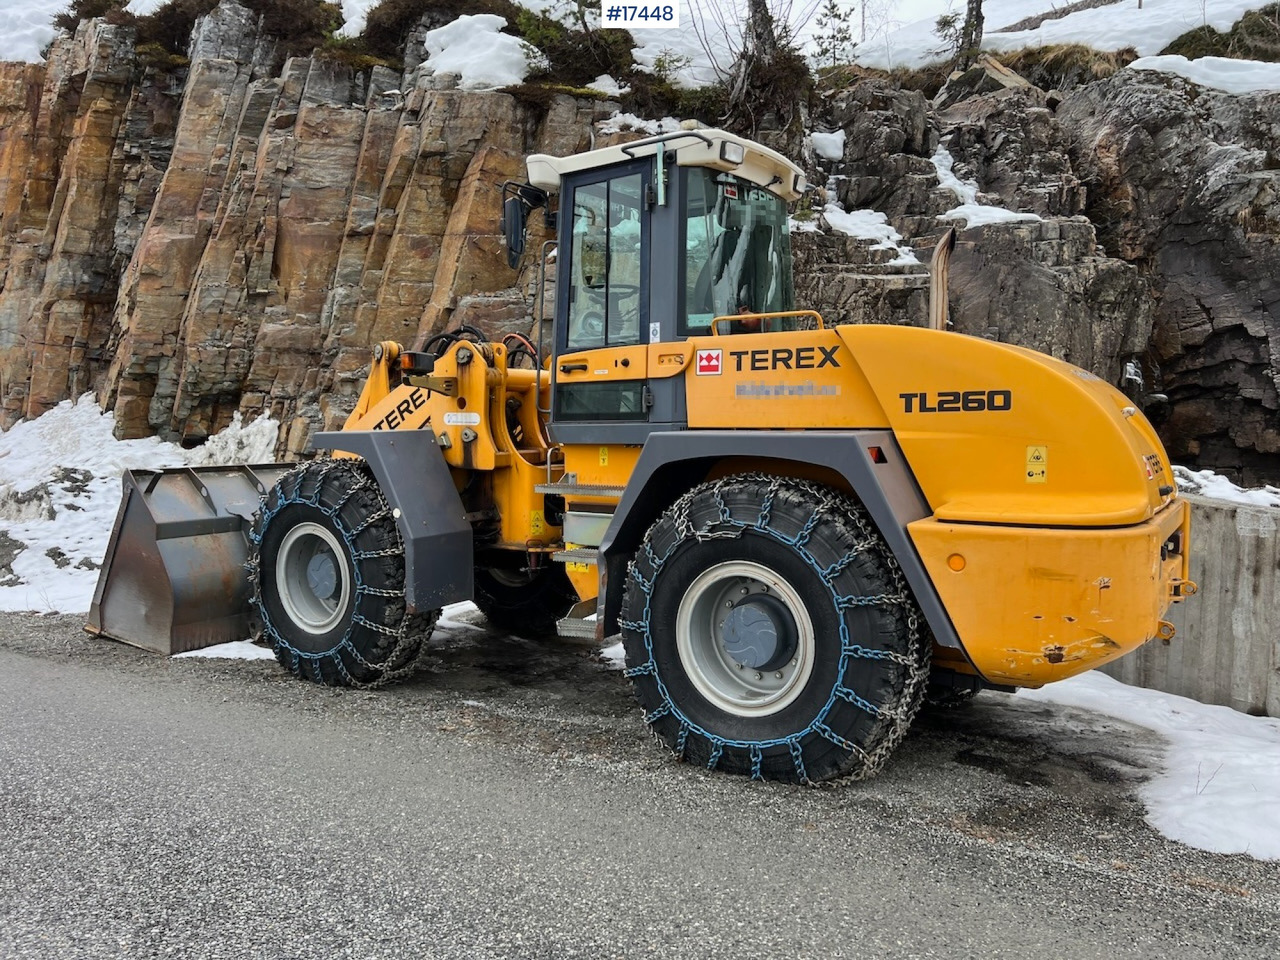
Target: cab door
[(599, 375)]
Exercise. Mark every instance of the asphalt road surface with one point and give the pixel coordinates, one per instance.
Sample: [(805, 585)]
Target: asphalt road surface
[(508, 803)]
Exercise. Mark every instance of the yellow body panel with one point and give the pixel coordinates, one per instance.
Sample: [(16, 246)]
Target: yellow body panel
[(471, 425), (804, 379), (1099, 465), (993, 433), (1033, 604)]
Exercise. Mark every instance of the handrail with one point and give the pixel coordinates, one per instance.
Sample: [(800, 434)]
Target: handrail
[(766, 316), (630, 147), (540, 312)]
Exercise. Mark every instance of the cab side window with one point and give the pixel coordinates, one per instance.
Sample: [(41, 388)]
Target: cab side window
[(604, 290)]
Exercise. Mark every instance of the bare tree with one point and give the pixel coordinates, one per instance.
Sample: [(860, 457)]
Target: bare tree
[(971, 33), (755, 58)]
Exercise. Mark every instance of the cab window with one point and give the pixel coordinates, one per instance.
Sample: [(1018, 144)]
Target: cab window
[(737, 250), (605, 278)]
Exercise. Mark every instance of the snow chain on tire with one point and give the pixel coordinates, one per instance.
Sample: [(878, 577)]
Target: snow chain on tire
[(381, 643), (704, 514)]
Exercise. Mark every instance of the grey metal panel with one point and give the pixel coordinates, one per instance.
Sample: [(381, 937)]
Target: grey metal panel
[(438, 545), (608, 433), (585, 529), (888, 490)]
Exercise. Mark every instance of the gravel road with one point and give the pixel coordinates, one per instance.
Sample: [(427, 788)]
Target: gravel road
[(507, 803)]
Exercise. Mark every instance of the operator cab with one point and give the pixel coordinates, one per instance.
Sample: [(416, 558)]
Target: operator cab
[(656, 238)]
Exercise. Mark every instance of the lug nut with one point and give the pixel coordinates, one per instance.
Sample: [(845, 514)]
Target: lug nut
[(778, 675), (759, 675)]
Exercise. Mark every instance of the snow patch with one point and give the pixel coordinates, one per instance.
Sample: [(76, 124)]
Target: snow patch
[(974, 214), (1219, 73), (870, 225), (966, 191), (614, 656), (60, 490), (1221, 780), (802, 226), (608, 86), (1206, 483), (980, 214), (629, 121), (829, 146), (905, 36), (28, 29), (234, 650), (473, 48)]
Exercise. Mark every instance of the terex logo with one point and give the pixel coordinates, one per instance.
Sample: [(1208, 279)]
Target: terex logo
[(709, 362), (784, 358)]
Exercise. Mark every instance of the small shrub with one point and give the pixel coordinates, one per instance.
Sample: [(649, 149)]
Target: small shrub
[(1067, 65), (387, 24), (113, 11), (354, 53), (1255, 36)]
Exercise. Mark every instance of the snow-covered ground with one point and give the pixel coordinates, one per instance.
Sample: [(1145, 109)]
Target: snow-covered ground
[(1148, 27), (1220, 787)]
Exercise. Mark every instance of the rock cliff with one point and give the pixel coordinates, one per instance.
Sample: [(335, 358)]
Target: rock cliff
[(191, 237), (220, 236)]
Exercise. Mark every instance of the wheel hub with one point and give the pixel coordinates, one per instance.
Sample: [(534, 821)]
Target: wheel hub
[(759, 632), (312, 579), (322, 575), (745, 638)]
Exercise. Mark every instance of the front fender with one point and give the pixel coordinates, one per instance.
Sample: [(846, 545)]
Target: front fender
[(412, 473)]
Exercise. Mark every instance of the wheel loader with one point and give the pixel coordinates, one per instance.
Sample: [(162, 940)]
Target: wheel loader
[(798, 530)]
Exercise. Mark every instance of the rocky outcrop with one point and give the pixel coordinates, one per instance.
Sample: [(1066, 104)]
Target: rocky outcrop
[(1183, 182), (61, 207), (229, 237), (1043, 283), (195, 238)]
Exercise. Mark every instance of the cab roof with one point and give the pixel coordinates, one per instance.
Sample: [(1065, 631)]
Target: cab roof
[(716, 149)]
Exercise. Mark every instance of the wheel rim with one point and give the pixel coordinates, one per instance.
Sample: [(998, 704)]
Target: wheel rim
[(745, 639), (312, 578)]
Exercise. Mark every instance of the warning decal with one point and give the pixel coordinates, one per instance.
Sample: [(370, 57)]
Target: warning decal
[(1037, 464)]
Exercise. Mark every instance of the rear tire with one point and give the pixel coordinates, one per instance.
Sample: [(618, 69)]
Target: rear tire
[(523, 604), (328, 572), (769, 631)]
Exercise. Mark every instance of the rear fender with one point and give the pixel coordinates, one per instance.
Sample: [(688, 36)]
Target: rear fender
[(673, 462), (412, 473)]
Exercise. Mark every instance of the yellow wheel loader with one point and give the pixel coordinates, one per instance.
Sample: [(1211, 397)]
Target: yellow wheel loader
[(797, 530)]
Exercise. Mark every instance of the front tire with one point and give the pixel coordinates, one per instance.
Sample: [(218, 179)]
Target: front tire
[(769, 631), (328, 570)]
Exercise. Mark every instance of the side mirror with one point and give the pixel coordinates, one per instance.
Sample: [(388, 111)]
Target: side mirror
[(514, 213), (518, 200)]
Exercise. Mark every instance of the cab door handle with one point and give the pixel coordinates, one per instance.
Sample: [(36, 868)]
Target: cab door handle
[(571, 367)]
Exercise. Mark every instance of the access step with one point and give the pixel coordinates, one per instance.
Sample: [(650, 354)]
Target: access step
[(581, 490), (574, 628), (577, 555)]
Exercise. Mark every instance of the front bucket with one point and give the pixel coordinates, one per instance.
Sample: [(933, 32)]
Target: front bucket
[(174, 577)]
